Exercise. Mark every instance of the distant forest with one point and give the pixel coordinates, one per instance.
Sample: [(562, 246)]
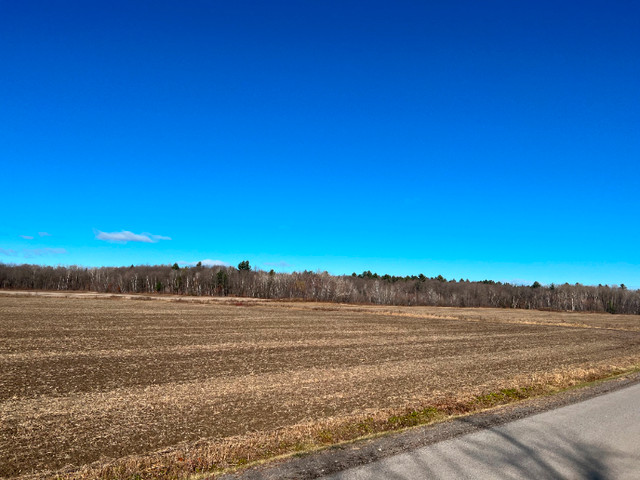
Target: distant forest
[(366, 287)]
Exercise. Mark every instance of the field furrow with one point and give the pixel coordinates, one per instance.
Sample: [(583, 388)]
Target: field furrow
[(92, 380)]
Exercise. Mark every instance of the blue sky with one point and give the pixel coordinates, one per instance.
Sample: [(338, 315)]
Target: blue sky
[(469, 139)]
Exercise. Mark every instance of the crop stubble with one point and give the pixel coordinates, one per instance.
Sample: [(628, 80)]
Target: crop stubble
[(86, 380)]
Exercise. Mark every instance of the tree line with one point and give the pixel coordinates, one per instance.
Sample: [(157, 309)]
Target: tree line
[(366, 287)]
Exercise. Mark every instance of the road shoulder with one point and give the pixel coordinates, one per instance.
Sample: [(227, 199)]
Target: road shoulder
[(341, 457)]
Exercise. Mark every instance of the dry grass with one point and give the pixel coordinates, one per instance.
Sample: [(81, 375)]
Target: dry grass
[(104, 388)]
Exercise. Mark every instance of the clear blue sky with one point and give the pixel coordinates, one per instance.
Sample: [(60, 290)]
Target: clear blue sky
[(471, 139)]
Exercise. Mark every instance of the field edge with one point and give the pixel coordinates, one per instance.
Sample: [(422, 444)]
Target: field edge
[(234, 456), (365, 449)]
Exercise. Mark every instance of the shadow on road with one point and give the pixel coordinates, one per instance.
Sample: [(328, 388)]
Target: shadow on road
[(546, 453)]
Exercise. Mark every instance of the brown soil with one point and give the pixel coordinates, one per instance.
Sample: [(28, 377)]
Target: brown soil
[(86, 379)]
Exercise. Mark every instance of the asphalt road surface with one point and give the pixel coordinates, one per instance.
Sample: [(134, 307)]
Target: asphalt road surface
[(595, 439)]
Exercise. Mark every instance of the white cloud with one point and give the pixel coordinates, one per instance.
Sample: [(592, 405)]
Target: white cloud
[(126, 236), (214, 263), (39, 252), (158, 237), (206, 263), (44, 234), (32, 252), (26, 237)]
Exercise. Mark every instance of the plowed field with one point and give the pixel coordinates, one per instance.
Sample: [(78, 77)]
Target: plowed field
[(128, 384)]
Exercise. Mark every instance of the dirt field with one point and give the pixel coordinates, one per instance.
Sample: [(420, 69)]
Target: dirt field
[(180, 387)]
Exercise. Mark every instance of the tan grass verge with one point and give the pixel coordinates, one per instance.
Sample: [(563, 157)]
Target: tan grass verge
[(214, 456)]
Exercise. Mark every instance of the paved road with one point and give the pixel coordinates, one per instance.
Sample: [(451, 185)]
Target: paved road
[(595, 439)]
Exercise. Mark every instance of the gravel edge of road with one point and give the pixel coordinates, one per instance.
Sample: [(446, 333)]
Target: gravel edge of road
[(360, 452)]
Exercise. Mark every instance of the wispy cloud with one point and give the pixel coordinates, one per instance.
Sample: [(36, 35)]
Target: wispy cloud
[(277, 264), (206, 263), (40, 252), (126, 236), (32, 252), (26, 237), (44, 234), (214, 263), (159, 237)]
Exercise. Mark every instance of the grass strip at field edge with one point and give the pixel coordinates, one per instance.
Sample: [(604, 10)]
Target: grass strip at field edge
[(204, 459), (412, 421)]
